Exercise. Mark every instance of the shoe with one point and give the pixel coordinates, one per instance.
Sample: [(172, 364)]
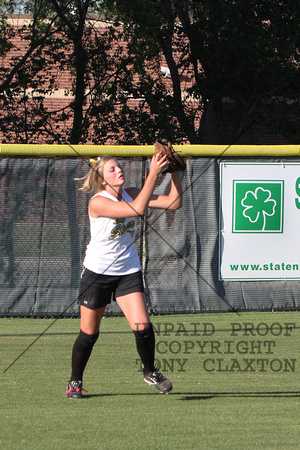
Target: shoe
[(156, 379), (74, 389)]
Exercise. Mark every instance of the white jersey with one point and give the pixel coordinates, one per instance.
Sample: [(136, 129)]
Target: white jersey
[(111, 249)]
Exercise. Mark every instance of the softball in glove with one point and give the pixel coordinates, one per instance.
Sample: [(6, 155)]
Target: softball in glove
[(176, 162)]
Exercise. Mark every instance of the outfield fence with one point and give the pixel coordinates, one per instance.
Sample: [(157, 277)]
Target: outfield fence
[(44, 231)]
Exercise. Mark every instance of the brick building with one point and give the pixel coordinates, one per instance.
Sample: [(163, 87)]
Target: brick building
[(57, 99)]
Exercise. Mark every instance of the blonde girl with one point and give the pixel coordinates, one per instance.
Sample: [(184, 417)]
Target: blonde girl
[(111, 264)]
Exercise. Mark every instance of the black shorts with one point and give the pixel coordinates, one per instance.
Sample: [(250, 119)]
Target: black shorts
[(96, 291)]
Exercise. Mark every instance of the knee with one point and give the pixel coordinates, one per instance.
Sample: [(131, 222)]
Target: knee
[(141, 326), (144, 333)]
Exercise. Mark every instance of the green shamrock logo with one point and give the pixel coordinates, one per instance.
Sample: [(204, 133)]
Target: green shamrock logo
[(257, 206)]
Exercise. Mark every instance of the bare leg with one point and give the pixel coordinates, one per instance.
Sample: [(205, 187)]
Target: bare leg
[(135, 310), (90, 319)]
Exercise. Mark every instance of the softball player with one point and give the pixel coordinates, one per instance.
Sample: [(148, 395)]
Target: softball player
[(111, 264)]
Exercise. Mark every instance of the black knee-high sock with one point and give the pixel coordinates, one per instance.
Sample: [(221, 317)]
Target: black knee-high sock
[(82, 350), (145, 344)]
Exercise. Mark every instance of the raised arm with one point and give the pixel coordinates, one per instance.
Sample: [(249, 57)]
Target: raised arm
[(173, 200), (104, 207)]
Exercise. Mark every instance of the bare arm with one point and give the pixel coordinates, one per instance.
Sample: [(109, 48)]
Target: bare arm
[(171, 201), (104, 207)]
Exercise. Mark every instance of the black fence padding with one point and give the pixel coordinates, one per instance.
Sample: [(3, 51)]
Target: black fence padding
[(44, 232)]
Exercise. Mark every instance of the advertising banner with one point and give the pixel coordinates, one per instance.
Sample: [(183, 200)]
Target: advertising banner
[(259, 221)]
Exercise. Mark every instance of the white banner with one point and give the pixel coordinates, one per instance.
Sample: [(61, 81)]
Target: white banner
[(259, 221)]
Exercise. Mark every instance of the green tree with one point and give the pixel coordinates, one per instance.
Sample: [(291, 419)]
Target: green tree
[(232, 64), (242, 55), (107, 74)]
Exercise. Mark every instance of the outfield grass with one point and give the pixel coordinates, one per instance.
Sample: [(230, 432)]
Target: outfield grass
[(233, 404)]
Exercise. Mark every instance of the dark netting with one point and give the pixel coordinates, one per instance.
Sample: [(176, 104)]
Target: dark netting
[(182, 270), (44, 232)]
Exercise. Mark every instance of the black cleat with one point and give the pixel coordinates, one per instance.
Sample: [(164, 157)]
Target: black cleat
[(74, 389), (156, 379)]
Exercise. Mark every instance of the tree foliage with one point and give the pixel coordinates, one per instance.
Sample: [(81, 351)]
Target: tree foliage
[(243, 58), (233, 67)]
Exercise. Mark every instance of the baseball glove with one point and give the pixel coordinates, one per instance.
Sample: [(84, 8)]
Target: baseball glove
[(176, 162)]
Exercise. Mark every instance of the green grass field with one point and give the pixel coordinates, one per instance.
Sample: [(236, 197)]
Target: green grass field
[(235, 385)]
